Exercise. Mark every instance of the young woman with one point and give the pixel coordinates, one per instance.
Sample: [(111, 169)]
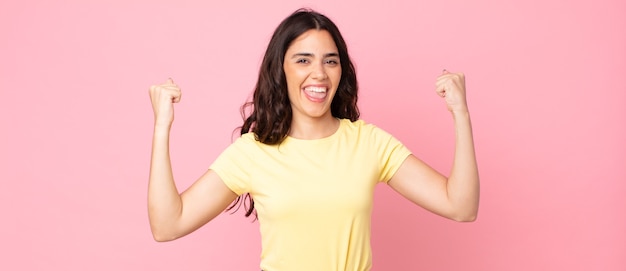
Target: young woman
[(305, 163)]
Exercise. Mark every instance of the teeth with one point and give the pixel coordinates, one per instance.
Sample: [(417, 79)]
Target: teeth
[(316, 89)]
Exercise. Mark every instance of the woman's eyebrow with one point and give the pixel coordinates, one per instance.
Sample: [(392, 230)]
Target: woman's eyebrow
[(312, 55)]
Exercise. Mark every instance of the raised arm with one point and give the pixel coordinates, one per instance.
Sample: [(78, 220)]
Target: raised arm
[(457, 196), (173, 215)]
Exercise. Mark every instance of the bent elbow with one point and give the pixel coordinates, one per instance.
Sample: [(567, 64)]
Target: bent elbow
[(471, 218), (163, 236), (468, 217)]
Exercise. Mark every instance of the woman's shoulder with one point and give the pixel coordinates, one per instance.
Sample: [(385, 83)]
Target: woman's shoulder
[(244, 142), (248, 139), (360, 125), (368, 133)]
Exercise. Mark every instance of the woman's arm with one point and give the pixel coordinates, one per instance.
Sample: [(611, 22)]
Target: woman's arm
[(455, 197), (172, 215)]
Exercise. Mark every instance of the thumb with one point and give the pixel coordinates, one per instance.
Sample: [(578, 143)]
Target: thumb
[(445, 71), (170, 81)]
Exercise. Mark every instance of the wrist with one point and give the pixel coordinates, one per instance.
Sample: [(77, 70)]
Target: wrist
[(464, 113), (161, 128)]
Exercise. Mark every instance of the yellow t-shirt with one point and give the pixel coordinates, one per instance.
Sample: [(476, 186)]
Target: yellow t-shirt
[(314, 197)]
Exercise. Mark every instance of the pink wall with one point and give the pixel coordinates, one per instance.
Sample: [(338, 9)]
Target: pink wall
[(546, 90)]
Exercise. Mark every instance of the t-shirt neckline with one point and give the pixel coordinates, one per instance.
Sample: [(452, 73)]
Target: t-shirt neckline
[(330, 137)]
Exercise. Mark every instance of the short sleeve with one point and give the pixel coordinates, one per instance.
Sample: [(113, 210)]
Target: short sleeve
[(233, 164), (390, 152)]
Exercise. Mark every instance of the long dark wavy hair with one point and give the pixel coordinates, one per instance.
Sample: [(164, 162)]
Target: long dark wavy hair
[(270, 110)]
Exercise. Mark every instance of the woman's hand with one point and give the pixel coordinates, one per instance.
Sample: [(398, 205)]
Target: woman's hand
[(163, 98), (451, 86)]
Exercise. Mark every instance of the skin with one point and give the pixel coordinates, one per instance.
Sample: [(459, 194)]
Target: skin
[(168, 219), (457, 196), (310, 61)]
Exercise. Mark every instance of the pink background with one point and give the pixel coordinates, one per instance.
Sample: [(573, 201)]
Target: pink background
[(546, 91)]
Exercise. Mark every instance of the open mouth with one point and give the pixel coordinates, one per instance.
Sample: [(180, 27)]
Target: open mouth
[(315, 94)]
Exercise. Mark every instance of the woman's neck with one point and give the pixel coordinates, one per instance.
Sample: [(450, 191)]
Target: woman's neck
[(313, 128)]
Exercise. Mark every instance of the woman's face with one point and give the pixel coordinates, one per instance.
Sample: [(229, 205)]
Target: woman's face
[(313, 72)]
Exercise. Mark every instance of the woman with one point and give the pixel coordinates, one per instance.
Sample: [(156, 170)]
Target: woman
[(305, 161)]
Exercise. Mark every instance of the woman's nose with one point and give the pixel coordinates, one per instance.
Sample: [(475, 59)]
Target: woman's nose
[(319, 73)]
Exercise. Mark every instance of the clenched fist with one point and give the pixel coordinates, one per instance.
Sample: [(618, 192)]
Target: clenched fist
[(163, 98), (451, 86)]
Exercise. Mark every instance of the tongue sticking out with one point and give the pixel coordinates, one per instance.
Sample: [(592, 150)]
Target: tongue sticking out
[(315, 93)]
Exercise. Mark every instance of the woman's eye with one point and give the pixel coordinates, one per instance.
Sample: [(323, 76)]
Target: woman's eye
[(332, 61), (302, 60)]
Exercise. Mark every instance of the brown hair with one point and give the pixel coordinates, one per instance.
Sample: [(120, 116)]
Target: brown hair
[(270, 116)]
